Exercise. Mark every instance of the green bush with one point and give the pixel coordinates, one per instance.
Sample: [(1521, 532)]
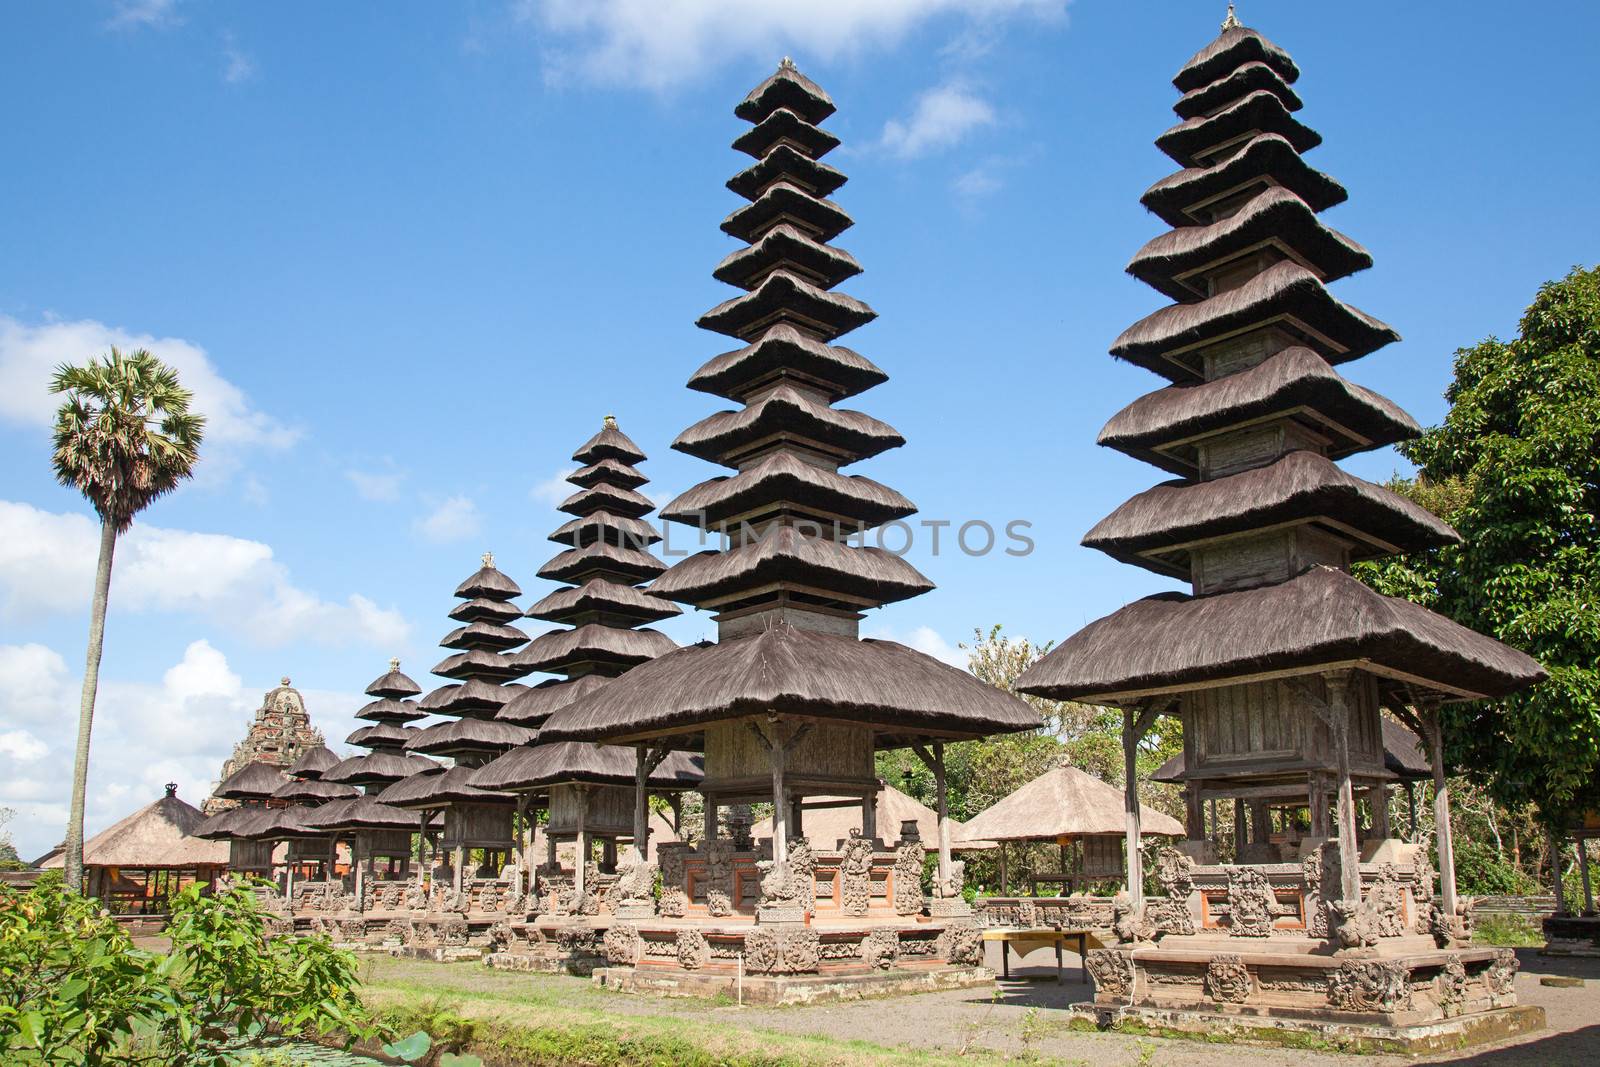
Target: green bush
[(75, 990), (1481, 872)]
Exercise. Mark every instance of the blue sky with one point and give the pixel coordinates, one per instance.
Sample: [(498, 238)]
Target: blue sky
[(410, 254)]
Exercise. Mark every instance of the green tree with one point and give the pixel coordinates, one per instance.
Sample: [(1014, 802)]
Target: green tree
[(1515, 467), (123, 437)]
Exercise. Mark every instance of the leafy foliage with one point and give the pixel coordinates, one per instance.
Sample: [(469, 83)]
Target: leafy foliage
[(74, 989), (125, 434), (1515, 467)]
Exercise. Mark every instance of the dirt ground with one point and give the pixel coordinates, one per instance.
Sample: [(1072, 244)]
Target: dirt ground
[(1018, 1017)]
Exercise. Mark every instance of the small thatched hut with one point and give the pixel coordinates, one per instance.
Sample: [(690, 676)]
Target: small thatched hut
[(136, 864), (831, 820)]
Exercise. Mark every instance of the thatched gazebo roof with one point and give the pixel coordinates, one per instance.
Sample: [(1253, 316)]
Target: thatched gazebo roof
[(157, 835), (1064, 802), (831, 819), (577, 762)]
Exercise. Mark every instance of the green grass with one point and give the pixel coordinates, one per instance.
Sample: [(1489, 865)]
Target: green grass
[(1507, 931)]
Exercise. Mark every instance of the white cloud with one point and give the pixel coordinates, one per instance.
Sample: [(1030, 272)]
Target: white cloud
[(654, 44), (978, 182), (456, 519), (34, 680), (29, 354), (237, 66), (927, 640), (554, 489), (146, 734), (47, 565), (381, 486), (941, 118), (131, 14)]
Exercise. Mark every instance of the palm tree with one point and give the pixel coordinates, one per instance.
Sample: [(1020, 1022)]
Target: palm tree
[(123, 437)]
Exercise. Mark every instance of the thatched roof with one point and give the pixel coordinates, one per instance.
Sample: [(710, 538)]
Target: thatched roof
[(784, 296), (387, 709), (253, 781), (1258, 112), (157, 835), (602, 525), (313, 762), (488, 583), (788, 412), (1320, 620), (1298, 486), (468, 735), (362, 813), (605, 598), (537, 703), (609, 472), (783, 351), (784, 554), (787, 247), (281, 824), (1234, 47), (1296, 378), (381, 735), (377, 768), (483, 609), (1403, 757), (559, 649), (826, 821), (1285, 292), (1274, 215), (469, 697), (609, 443), (618, 562), (478, 664), (438, 789), (225, 825), (786, 163), (785, 125), (784, 201), (609, 498), (311, 790), (1065, 802), (786, 88), (393, 684), (788, 671), (572, 762), (1247, 78), (784, 480), (486, 635), (1263, 156)]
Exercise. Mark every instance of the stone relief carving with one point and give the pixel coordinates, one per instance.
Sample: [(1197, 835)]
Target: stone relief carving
[(1370, 985), (1250, 903), (768, 950), (955, 881), (1501, 975), (621, 944), (719, 877), (674, 901), (1422, 890), (1227, 978), (454, 931), (909, 858), (1112, 972), (1130, 927), (693, 951), (1175, 875), (1321, 870), (961, 945), (1386, 899), (1451, 985), (880, 948), (1355, 924), (855, 875), (636, 881)]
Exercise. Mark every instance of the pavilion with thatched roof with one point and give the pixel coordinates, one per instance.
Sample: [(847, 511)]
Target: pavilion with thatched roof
[(1278, 662), (1070, 807), (137, 863)]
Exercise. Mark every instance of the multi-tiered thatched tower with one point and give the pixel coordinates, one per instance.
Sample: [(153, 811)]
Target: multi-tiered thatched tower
[(789, 701), (1279, 661)]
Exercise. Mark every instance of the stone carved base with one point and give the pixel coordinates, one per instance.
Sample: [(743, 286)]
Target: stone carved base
[(768, 914), (949, 908)]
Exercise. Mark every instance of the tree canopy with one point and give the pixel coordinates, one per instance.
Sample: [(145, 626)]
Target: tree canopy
[(1515, 467)]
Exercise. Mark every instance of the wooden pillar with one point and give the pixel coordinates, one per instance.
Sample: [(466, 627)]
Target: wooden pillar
[(356, 859), (1378, 801), (551, 858), (797, 826), (709, 834), (1241, 830), (941, 787), (1441, 809), (524, 845), (580, 866), (1005, 886), (424, 852), (780, 803), (1194, 812), (869, 815), (608, 855), (1260, 823), (641, 802), (1345, 813), (288, 881), (458, 876), (1411, 812), (1557, 861), (1135, 721), (1583, 873)]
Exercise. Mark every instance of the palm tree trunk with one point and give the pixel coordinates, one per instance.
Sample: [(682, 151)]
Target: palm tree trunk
[(91, 682)]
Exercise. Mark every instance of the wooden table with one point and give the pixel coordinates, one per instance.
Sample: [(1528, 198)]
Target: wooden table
[(1028, 940)]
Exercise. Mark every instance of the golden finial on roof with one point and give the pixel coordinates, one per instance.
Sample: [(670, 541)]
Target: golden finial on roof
[(284, 680), (610, 422), (786, 63), (394, 664), (1231, 22), (488, 559)]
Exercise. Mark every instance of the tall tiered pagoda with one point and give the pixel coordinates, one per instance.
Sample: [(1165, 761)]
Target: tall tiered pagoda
[(1278, 661), (790, 701), (592, 792), (279, 734)]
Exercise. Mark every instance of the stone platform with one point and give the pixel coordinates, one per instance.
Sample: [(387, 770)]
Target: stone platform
[(1572, 935), (1441, 1036), (792, 988)]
